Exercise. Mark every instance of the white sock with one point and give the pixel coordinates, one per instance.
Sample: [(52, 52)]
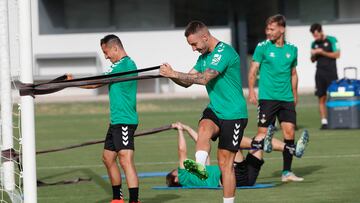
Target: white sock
[(324, 121), (201, 157), (229, 199)]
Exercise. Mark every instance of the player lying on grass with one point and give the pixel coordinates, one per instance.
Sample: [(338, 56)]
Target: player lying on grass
[(246, 168)]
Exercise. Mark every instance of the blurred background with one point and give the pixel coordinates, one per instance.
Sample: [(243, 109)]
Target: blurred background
[(66, 34)]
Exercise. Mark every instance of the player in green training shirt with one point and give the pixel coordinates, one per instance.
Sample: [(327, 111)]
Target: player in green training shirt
[(276, 60), (246, 169), (218, 68), (119, 141)]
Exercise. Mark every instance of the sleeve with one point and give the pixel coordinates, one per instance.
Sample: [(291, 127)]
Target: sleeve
[(219, 62), (334, 44), (197, 66), (259, 53), (295, 62), (114, 68), (313, 45)]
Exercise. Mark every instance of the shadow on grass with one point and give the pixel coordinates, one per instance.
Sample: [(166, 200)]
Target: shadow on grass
[(157, 199), (97, 179), (301, 171), (105, 185), (161, 198)]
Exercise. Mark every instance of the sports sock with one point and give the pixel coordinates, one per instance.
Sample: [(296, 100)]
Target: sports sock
[(287, 157), (324, 121), (134, 194), (117, 193), (289, 149), (201, 157), (241, 173), (229, 199)]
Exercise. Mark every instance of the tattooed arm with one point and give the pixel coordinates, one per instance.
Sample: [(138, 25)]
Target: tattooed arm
[(187, 79)]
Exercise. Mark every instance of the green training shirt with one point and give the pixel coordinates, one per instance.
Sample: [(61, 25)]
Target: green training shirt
[(122, 95), (276, 64), (188, 179), (225, 91)]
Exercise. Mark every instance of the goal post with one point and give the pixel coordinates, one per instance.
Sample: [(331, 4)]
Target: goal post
[(8, 180), (27, 103)]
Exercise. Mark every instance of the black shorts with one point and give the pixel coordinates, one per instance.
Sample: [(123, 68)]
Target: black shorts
[(120, 136), (247, 172), (323, 81), (268, 110), (231, 131)]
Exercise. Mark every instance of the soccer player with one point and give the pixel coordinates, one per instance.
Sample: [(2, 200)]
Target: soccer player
[(119, 141), (276, 60), (324, 50), (218, 68), (246, 169)]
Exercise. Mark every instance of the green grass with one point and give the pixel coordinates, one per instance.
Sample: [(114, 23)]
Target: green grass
[(330, 166)]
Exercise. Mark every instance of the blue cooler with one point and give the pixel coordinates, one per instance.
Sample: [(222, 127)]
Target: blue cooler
[(343, 104)]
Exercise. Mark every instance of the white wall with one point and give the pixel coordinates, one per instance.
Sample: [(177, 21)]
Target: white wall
[(348, 37)]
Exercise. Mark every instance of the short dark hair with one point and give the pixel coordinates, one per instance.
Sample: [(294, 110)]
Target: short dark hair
[(111, 39), (170, 180), (194, 27), (278, 18), (315, 27)]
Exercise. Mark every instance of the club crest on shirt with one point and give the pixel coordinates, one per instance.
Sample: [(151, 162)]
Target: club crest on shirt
[(272, 54), (288, 55), (326, 44)]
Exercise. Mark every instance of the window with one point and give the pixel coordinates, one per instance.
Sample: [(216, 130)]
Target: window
[(78, 16)]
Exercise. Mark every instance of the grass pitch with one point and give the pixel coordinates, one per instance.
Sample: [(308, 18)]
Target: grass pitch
[(330, 166)]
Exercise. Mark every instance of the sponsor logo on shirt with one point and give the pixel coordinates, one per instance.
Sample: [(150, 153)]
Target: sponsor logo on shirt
[(326, 44), (216, 59)]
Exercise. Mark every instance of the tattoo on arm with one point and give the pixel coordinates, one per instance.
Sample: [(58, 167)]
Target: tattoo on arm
[(198, 78)]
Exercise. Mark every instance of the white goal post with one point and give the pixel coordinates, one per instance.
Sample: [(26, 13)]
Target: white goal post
[(27, 103)]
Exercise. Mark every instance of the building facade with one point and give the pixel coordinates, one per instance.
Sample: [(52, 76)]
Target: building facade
[(66, 33)]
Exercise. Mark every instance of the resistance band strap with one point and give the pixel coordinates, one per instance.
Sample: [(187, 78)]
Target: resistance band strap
[(10, 154), (138, 134), (60, 83)]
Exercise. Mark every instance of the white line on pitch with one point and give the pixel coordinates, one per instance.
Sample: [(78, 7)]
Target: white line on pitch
[(213, 161)]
